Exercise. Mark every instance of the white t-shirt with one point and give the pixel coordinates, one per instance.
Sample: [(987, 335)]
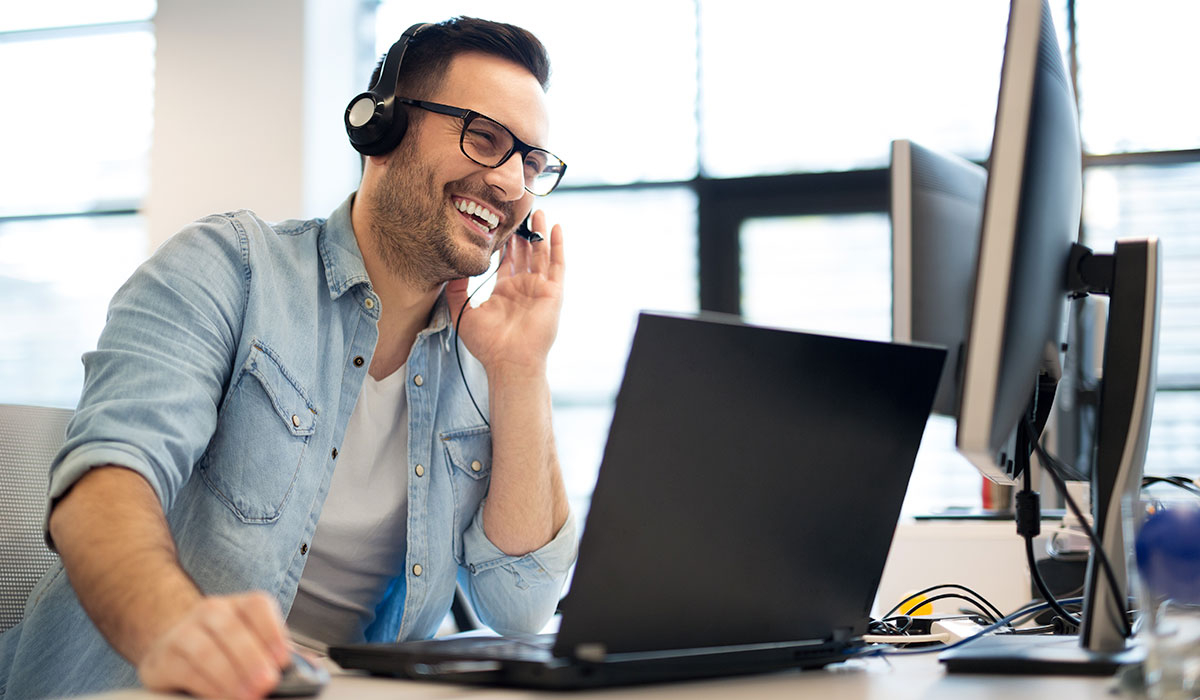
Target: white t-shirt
[(360, 541)]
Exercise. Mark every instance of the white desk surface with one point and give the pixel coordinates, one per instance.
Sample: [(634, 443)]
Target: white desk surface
[(898, 678)]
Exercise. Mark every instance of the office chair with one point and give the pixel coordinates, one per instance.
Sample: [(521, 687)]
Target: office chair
[(30, 436)]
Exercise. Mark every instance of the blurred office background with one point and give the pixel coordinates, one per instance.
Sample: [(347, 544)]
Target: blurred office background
[(724, 154)]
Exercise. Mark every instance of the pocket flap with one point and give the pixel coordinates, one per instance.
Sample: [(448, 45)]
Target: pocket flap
[(470, 450), (290, 401)]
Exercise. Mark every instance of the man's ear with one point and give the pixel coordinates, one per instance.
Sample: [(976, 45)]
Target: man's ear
[(379, 162)]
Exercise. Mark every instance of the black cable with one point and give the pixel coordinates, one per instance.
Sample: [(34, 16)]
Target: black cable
[(1181, 482), (989, 607), (1028, 525), (458, 325), (1052, 464), (1008, 620), (1045, 590), (888, 627), (984, 613), (458, 357)]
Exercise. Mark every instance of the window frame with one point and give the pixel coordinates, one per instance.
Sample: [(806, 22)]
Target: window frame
[(725, 203)]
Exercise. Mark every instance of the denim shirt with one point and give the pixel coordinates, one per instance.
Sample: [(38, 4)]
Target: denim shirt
[(225, 375)]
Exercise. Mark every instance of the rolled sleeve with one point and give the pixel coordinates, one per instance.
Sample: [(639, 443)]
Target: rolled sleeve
[(82, 459), (517, 594)]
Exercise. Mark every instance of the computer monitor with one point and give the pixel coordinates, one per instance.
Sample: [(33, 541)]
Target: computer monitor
[(1029, 265), (936, 206)]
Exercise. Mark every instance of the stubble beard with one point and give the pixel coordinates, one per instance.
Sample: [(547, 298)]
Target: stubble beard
[(414, 237)]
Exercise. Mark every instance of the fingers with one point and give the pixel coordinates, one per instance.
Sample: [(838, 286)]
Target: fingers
[(557, 255), (226, 646), (518, 254), (539, 253), (260, 613)]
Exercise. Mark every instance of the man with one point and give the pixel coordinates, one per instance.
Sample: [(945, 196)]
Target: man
[(196, 504)]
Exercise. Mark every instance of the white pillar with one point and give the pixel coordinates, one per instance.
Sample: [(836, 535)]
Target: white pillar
[(248, 105)]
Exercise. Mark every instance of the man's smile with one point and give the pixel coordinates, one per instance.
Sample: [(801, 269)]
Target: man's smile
[(483, 218)]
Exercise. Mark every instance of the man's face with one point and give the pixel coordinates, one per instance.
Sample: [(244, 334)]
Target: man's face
[(423, 229)]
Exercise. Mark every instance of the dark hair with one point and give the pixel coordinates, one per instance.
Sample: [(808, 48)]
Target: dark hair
[(430, 51)]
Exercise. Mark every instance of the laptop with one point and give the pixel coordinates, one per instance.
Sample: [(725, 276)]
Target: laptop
[(741, 519)]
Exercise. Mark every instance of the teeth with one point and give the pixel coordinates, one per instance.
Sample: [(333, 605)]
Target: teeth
[(474, 209)]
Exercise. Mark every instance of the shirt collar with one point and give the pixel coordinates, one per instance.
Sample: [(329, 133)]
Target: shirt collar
[(343, 260)]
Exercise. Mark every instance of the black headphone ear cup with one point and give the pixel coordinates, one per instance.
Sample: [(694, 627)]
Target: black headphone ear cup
[(396, 129), (381, 132), (375, 122)]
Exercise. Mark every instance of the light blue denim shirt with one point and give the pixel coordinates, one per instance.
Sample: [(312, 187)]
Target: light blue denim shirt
[(226, 374)]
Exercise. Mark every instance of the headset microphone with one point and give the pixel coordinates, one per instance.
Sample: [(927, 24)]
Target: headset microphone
[(373, 122), (529, 234)]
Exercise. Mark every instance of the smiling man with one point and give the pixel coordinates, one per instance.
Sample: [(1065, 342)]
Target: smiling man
[(299, 431)]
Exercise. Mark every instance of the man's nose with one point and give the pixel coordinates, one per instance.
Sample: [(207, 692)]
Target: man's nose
[(509, 177)]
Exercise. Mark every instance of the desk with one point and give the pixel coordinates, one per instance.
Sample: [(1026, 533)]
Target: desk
[(900, 678)]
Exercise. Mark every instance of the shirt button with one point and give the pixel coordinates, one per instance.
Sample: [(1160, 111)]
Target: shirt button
[(476, 466), (418, 380), (295, 420), (358, 361), (304, 548), (335, 453), (369, 303), (417, 569), (420, 470)]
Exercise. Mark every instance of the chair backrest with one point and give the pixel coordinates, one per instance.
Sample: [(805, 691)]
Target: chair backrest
[(30, 436)]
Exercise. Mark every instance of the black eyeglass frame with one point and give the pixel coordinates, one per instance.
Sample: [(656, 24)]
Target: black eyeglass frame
[(518, 146)]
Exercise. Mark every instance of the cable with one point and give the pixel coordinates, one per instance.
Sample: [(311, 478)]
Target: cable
[(1028, 525), (458, 357), (1008, 620), (984, 613), (1178, 481), (983, 603), (1052, 465), (458, 325), (1040, 582)]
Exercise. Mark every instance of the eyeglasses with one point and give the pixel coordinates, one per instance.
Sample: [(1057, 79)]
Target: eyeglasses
[(490, 144)]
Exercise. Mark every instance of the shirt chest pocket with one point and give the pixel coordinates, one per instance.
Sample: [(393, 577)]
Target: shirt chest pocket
[(469, 460), (263, 431)]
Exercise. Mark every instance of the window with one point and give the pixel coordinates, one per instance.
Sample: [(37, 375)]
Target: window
[(75, 134), (1135, 76), (794, 273), (1160, 201), (737, 152)]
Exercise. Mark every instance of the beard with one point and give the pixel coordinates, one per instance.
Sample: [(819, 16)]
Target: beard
[(413, 234)]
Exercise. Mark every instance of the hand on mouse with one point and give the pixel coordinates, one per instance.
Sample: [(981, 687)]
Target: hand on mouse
[(223, 647)]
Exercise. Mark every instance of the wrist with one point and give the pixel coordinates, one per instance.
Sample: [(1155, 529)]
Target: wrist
[(516, 373)]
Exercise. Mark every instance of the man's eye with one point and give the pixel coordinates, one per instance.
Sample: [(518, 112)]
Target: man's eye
[(481, 136), (534, 163)]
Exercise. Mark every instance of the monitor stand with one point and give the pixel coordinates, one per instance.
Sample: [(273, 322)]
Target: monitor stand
[(1130, 276)]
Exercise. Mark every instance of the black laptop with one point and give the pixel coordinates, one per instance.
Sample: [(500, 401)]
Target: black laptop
[(742, 516)]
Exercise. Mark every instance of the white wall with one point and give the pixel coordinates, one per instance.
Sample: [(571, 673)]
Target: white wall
[(248, 107)]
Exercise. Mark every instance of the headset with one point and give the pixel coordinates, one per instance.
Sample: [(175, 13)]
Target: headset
[(373, 122), (376, 125)]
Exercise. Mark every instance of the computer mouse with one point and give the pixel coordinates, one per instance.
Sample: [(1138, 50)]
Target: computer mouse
[(300, 679)]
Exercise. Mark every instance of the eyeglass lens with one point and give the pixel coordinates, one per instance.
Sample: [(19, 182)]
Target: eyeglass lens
[(490, 143)]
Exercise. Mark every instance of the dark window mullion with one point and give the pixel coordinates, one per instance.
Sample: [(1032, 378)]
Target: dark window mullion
[(724, 204)]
